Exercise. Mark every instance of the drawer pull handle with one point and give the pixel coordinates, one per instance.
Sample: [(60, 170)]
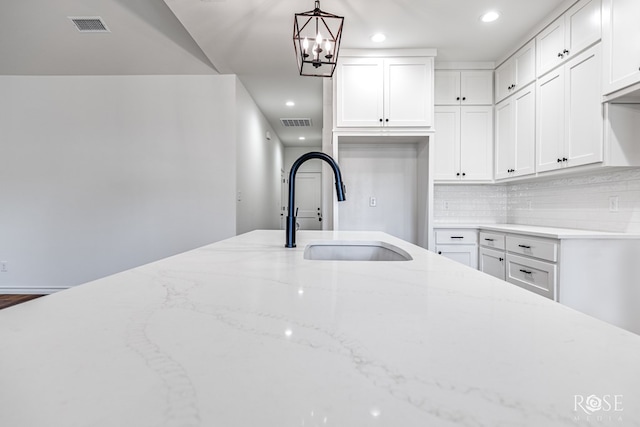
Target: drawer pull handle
[(457, 237), (525, 271), (489, 240), (525, 246)]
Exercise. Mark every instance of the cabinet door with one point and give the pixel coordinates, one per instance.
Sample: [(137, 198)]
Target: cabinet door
[(464, 254), (525, 65), (550, 120), (476, 87), (515, 134), (408, 92), (583, 109), (583, 26), (447, 143), (525, 131), (359, 93), (505, 139), (504, 79), (620, 36), (476, 143), (550, 46), (447, 87), (492, 262)]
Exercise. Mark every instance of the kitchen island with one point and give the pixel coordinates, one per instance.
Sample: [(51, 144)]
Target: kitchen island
[(245, 332)]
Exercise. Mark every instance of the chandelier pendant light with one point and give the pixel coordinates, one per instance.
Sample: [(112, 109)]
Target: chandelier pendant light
[(316, 39)]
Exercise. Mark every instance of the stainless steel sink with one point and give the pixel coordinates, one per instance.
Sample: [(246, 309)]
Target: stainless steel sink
[(357, 250)]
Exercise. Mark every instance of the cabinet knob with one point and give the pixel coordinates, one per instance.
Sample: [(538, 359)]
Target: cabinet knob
[(566, 52), (464, 98), (559, 160), (560, 55), (458, 174), (386, 120), (564, 159), (464, 174), (500, 259), (457, 98), (380, 120), (439, 252)]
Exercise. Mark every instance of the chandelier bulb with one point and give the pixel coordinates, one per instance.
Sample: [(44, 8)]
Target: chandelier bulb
[(327, 47), (319, 39), (305, 44)]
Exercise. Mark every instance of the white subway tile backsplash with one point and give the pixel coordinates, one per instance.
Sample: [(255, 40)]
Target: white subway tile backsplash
[(570, 202)]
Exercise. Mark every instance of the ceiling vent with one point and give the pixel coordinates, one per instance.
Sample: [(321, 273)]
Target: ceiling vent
[(296, 123), (89, 24)]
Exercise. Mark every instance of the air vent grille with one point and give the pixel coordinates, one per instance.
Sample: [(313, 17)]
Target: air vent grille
[(288, 123), (89, 24)]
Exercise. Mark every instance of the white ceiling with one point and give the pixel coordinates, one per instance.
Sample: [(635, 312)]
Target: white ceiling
[(250, 38)]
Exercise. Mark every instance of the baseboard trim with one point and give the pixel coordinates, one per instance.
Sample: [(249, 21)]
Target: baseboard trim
[(29, 291)]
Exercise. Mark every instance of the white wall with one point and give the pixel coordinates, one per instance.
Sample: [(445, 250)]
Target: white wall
[(259, 164), (102, 173), (387, 172), (291, 154)]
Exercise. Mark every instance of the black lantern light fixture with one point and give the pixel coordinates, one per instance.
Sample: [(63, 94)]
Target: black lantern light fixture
[(316, 39)]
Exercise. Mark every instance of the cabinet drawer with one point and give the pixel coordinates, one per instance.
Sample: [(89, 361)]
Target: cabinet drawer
[(533, 275), (456, 236), (538, 248), (492, 240)]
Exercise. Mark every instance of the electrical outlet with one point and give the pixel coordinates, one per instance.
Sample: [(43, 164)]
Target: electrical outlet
[(3, 267), (613, 204), (373, 202)]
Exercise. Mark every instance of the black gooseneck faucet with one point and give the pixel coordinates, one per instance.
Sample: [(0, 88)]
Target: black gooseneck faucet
[(291, 218)]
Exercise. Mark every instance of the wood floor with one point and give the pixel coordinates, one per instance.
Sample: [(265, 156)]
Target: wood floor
[(9, 300)]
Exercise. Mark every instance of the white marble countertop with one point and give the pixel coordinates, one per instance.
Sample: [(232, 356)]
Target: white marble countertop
[(247, 333), (550, 232)]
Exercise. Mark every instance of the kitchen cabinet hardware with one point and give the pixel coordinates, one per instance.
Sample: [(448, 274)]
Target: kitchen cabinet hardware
[(525, 246), (560, 55), (566, 52), (439, 252), (525, 271), (489, 240), (457, 237), (500, 259)]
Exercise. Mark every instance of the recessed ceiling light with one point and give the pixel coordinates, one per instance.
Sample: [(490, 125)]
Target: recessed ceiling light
[(302, 138), (378, 38), (490, 16), (290, 103)]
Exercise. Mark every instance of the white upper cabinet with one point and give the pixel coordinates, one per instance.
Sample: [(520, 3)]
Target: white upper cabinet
[(463, 144), (576, 30), (515, 134), (517, 72), (467, 87), (621, 44), (384, 92), (569, 114)]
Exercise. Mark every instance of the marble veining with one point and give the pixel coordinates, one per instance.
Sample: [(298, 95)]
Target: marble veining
[(245, 332)]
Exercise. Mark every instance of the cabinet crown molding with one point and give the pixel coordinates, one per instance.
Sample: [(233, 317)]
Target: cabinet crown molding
[(388, 53)]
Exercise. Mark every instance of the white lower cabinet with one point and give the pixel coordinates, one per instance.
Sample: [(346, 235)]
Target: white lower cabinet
[(458, 245), (492, 262)]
